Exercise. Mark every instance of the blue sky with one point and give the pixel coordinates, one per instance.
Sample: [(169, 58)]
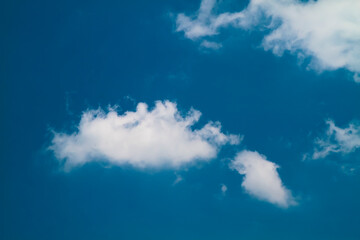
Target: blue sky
[(180, 120)]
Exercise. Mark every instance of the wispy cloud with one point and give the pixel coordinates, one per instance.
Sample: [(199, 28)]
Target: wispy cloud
[(205, 23), (160, 137), (327, 31), (211, 45), (178, 179), (261, 178), (337, 140), (223, 189)]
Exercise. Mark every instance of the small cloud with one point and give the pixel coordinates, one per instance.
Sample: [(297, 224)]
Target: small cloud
[(261, 179), (178, 179), (337, 140), (357, 77), (211, 45), (305, 157), (129, 98), (223, 189)]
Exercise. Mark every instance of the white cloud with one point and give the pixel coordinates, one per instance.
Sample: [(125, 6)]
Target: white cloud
[(337, 140), (205, 23), (211, 45), (326, 30), (178, 179), (261, 178), (357, 77), (223, 189), (157, 138)]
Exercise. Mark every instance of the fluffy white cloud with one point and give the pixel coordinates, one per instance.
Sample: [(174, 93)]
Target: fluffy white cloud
[(326, 30), (261, 178), (337, 140), (160, 137)]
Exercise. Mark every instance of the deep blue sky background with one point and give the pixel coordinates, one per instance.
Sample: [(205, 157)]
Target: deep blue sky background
[(60, 58)]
